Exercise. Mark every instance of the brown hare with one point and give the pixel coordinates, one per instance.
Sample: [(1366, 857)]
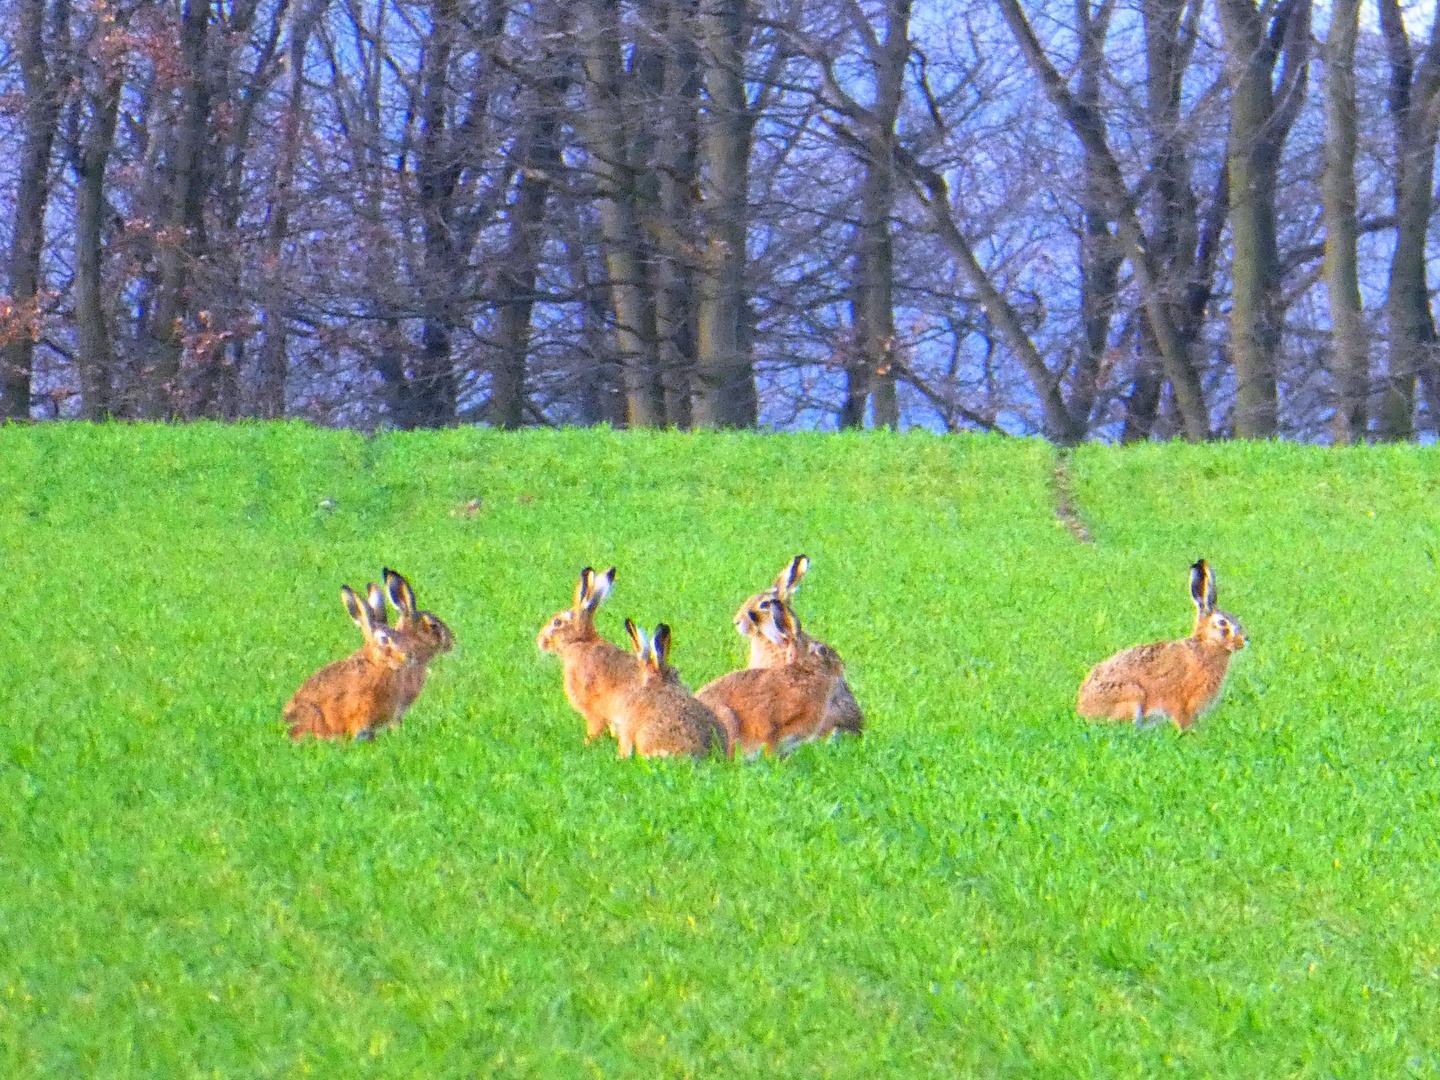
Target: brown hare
[(777, 707), (421, 635), (1180, 679), (843, 712), (598, 674), (353, 696), (659, 717)]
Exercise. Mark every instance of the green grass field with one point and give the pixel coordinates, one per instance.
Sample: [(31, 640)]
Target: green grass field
[(983, 886)]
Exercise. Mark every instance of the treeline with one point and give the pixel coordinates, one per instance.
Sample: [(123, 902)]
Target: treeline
[(1128, 219)]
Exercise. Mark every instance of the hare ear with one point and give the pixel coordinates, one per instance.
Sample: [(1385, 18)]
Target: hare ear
[(359, 611), (637, 638), (773, 625), (375, 601), (785, 620), (788, 583), (401, 594), (600, 587), (1202, 587), (661, 646), (582, 590), (789, 621)]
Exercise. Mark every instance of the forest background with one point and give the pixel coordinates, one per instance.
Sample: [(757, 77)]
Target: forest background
[(1124, 220)]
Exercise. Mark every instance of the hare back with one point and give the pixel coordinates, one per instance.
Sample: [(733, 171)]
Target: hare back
[(347, 697), (1153, 666), (662, 719), (771, 705)]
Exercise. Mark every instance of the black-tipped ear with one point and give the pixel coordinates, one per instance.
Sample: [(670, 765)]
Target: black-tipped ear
[(773, 620), (375, 601), (359, 612), (1199, 586), (787, 622), (1209, 588), (662, 644), (788, 583), (599, 588), (401, 594), (637, 641), (582, 590)]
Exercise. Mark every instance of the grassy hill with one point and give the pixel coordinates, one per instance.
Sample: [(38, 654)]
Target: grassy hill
[(984, 885)]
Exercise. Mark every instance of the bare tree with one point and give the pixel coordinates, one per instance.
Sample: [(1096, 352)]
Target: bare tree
[(1350, 364), (1414, 92), (720, 212), (44, 67), (1185, 244), (1262, 112), (1107, 176), (273, 362), (724, 384), (539, 166), (625, 255), (1100, 253), (870, 372), (94, 114), (182, 247)]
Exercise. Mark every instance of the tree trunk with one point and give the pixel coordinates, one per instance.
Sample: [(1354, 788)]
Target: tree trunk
[(1100, 257), (1350, 363), (600, 396), (184, 244), (1184, 250), (45, 89), (1255, 263), (677, 154), (1260, 119), (857, 371), (630, 295), (1412, 327), (94, 358), (272, 364), (434, 388), (725, 393), (211, 378), (381, 272), (1143, 404), (872, 370), (540, 163)]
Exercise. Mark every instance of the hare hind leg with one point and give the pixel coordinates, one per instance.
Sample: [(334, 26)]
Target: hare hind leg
[(1131, 703), (1128, 702)]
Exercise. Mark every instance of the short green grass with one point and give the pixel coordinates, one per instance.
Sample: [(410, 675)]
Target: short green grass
[(983, 886)]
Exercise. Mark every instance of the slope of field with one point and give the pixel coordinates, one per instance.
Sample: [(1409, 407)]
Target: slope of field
[(983, 886)]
